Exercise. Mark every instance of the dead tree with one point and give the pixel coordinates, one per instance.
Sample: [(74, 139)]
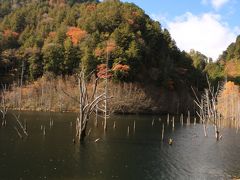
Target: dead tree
[(208, 112), (21, 84), (20, 128), (3, 105), (87, 104)]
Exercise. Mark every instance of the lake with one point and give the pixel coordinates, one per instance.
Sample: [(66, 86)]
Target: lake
[(117, 154)]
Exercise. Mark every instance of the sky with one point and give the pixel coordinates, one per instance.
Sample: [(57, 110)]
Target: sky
[(207, 26)]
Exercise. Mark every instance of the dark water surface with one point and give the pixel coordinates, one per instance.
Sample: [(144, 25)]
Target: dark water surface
[(117, 155)]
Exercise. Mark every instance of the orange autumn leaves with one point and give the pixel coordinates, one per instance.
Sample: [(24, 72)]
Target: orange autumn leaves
[(8, 33), (229, 100), (230, 88), (118, 67), (232, 68), (76, 34)]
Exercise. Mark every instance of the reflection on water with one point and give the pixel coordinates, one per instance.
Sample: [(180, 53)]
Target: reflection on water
[(117, 155)]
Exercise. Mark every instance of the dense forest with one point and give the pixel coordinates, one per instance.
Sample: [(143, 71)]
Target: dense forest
[(57, 36), (227, 67)]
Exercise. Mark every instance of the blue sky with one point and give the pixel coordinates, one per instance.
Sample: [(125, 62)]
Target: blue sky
[(208, 26)]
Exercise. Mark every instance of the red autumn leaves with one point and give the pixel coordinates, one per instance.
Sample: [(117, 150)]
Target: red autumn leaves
[(8, 33), (101, 69)]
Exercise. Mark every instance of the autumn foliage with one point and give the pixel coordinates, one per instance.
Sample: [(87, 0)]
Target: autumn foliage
[(98, 52), (91, 7), (76, 34), (229, 100), (232, 68), (9, 33), (111, 46), (121, 67), (101, 71), (52, 34)]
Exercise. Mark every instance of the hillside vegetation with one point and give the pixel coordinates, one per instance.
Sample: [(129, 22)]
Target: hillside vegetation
[(57, 36), (228, 64)]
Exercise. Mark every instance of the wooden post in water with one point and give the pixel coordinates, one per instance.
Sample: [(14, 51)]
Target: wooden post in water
[(188, 118), (19, 134), (114, 125), (51, 123), (134, 126), (173, 123), (168, 119), (153, 121), (162, 131), (181, 119), (44, 131)]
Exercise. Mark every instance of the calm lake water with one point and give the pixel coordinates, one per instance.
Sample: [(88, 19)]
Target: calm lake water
[(117, 155)]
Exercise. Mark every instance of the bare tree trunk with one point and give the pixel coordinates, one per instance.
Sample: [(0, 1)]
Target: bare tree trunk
[(106, 94), (21, 83), (3, 106), (208, 109), (87, 104)]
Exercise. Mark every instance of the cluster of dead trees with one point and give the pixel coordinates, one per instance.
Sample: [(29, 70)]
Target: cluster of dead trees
[(229, 105), (220, 107), (47, 94), (208, 112)]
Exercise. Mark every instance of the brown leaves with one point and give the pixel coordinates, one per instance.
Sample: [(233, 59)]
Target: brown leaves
[(9, 33), (121, 67), (232, 68), (91, 7), (98, 52), (230, 88), (76, 34), (111, 46), (101, 71), (229, 100), (52, 34)]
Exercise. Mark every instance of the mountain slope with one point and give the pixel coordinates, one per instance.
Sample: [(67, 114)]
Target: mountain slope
[(58, 38)]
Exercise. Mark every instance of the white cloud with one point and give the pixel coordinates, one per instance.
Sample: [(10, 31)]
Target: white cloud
[(217, 4), (205, 33)]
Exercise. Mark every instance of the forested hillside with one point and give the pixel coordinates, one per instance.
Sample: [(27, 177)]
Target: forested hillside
[(228, 64), (57, 36)]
